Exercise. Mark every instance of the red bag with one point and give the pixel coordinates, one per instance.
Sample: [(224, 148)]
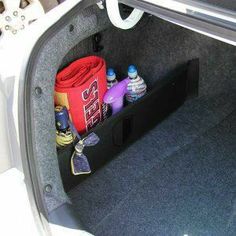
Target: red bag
[(81, 87)]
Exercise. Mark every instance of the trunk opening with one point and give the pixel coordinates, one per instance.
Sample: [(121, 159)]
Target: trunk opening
[(176, 175)]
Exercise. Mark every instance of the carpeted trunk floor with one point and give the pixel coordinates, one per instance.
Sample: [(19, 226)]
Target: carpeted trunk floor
[(178, 179)]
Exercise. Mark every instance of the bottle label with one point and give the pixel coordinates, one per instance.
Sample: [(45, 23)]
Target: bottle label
[(136, 89), (111, 83)]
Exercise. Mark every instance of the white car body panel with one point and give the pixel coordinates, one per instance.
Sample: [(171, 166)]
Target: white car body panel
[(16, 214)]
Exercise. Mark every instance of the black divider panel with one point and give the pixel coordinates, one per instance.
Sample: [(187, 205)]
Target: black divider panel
[(122, 129)]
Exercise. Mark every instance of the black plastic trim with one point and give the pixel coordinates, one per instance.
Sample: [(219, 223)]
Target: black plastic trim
[(119, 131)]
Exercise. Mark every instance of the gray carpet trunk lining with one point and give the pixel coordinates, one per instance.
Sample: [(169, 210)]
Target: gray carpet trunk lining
[(179, 178), (192, 192), (132, 194), (155, 46)]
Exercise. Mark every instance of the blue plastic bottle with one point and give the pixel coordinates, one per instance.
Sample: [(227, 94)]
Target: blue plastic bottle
[(137, 86), (111, 78)]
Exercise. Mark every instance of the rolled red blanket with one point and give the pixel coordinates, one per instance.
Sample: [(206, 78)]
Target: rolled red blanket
[(81, 87)]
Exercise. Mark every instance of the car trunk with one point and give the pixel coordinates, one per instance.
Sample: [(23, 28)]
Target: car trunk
[(177, 175), (177, 178)]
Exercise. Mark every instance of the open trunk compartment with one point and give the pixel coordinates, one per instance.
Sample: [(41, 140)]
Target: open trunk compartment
[(177, 158), (165, 165)]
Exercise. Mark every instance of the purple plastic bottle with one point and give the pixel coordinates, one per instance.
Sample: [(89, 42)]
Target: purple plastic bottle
[(115, 95)]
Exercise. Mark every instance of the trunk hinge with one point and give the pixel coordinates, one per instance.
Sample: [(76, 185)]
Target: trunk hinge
[(113, 12)]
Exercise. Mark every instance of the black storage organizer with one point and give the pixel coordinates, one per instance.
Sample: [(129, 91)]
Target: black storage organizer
[(122, 129)]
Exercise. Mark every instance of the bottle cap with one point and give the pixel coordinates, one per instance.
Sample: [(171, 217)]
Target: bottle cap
[(132, 71), (110, 74)]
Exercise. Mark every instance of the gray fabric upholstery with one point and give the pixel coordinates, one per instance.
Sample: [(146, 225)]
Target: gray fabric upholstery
[(46, 66), (157, 47), (177, 179), (191, 192)]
